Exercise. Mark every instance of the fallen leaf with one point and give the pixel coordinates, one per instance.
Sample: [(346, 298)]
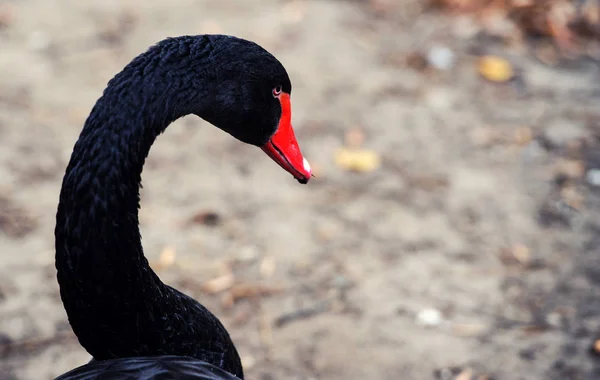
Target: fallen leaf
[(495, 69), (219, 284), (252, 290), (358, 160)]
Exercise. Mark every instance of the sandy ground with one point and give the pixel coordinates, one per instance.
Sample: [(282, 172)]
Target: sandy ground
[(466, 217)]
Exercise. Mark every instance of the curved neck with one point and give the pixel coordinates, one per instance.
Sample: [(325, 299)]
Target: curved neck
[(97, 233), (116, 304)]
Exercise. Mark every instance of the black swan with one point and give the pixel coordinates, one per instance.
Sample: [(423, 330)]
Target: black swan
[(133, 325)]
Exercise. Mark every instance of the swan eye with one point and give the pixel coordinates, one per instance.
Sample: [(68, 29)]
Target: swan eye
[(277, 91)]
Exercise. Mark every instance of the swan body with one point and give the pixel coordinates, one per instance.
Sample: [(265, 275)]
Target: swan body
[(146, 368)]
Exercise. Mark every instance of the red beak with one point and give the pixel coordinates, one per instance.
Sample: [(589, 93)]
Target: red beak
[(283, 147)]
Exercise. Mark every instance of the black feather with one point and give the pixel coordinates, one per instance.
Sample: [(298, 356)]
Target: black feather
[(116, 304)]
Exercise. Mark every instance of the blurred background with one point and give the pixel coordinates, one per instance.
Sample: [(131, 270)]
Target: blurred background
[(451, 231)]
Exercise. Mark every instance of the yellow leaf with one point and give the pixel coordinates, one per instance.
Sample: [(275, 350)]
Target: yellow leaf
[(495, 69), (358, 160)]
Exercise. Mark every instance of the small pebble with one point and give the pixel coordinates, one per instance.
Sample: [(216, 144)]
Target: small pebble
[(554, 319), (429, 317), (441, 58), (593, 177)]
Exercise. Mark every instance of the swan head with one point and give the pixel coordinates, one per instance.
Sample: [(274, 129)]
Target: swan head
[(251, 100)]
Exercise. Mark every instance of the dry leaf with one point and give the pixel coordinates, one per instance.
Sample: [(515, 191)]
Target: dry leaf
[(358, 160), (495, 69), (252, 290), (219, 284)]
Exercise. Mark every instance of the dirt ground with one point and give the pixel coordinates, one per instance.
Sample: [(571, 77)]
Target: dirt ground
[(473, 250)]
